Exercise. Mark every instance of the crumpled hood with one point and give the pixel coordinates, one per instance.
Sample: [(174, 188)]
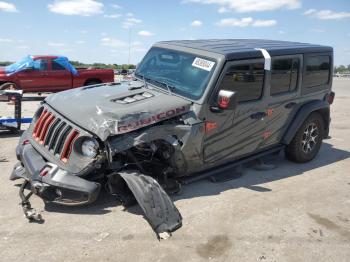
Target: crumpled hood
[(115, 109)]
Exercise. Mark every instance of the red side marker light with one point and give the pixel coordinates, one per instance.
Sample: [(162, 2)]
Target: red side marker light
[(44, 172), (224, 102), (266, 134), (269, 112), (210, 126), (330, 97)]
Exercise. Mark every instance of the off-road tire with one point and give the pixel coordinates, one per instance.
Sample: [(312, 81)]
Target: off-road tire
[(307, 141)]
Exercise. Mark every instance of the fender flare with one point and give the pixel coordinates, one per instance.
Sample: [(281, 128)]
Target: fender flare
[(301, 116), (90, 80)]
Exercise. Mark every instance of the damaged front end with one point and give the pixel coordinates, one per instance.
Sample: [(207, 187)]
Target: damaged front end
[(65, 163)]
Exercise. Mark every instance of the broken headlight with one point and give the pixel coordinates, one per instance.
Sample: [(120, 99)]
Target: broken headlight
[(89, 147)]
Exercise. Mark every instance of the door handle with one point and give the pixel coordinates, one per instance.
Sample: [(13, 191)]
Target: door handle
[(290, 105), (258, 115)]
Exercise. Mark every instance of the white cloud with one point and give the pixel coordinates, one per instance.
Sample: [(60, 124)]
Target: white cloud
[(80, 42), (8, 7), (76, 7), (115, 6), (243, 6), (318, 30), (84, 32), (113, 16), (6, 40), (113, 42), (246, 21), (139, 49), (196, 23), (235, 22), (23, 47), (326, 14), (281, 32), (145, 33), (223, 9), (310, 11), (263, 23), (136, 43), (55, 44), (130, 22)]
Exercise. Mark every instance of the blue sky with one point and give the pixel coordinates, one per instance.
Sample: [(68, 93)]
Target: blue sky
[(98, 31)]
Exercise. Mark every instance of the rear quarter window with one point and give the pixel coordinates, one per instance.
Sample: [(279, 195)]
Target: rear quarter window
[(284, 75), (317, 72)]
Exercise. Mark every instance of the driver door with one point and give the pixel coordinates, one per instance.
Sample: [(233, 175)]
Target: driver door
[(231, 134), (35, 79)]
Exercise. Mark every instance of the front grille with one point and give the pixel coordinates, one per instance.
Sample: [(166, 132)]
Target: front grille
[(55, 134)]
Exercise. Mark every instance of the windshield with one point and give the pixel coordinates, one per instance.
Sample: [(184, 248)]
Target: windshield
[(181, 73), (20, 65)]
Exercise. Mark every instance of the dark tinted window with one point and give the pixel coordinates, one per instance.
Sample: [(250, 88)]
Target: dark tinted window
[(284, 75), (317, 70), (57, 66), (246, 79)]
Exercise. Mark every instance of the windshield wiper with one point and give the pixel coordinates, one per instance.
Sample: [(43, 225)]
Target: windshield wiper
[(168, 87), (142, 77), (147, 80)]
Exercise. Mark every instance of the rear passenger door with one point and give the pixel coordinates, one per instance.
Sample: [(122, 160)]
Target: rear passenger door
[(282, 100), (61, 78), (231, 134)]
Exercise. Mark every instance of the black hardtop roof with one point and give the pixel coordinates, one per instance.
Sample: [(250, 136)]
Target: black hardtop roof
[(245, 48)]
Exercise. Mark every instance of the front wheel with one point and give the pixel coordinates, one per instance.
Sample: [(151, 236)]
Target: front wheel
[(8, 86), (307, 141)]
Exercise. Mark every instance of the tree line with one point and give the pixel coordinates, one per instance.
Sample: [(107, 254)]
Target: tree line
[(342, 69), (78, 64)]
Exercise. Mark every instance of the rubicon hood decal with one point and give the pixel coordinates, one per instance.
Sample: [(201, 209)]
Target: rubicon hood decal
[(127, 126), (96, 109)]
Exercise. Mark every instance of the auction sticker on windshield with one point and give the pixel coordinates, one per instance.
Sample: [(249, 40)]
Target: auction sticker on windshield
[(203, 64)]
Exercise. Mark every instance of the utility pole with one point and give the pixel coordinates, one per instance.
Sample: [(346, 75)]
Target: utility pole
[(129, 46)]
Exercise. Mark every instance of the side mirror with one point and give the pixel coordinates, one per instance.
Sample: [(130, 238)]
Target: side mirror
[(226, 100)]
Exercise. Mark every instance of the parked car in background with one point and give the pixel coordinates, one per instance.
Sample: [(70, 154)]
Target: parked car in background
[(124, 72), (51, 74)]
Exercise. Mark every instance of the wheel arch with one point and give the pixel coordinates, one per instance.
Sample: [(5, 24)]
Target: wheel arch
[(92, 80), (5, 84), (319, 106)]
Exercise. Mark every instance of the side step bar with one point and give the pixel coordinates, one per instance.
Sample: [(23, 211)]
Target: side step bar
[(227, 167)]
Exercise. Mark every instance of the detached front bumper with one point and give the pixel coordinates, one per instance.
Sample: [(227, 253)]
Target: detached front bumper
[(50, 182)]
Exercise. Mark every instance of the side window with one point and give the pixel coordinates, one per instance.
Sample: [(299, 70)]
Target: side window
[(246, 79), (41, 64), (57, 66), (284, 75), (317, 71)]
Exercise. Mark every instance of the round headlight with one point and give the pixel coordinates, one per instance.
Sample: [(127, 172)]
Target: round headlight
[(89, 148)]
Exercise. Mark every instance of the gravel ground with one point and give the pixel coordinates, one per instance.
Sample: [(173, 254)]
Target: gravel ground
[(296, 212)]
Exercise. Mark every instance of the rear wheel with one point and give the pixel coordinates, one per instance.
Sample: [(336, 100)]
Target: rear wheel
[(307, 141)]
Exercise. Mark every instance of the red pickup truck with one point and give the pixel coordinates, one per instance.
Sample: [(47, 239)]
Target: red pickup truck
[(50, 74)]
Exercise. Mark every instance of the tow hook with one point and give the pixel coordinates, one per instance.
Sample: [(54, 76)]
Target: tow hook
[(30, 213)]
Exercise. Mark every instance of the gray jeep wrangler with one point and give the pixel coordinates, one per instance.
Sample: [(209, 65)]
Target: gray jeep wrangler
[(195, 108)]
